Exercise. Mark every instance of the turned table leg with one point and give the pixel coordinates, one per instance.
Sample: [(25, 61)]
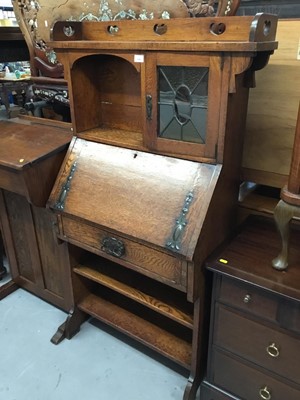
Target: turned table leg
[(283, 214), (289, 205)]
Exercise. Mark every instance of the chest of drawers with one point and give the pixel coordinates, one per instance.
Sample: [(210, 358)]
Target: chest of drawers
[(255, 322)]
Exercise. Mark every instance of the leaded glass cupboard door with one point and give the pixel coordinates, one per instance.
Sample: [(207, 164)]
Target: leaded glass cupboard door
[(182, 104)]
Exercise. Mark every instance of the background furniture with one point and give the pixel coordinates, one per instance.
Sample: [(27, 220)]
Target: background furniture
[(289, 205), (18, 86), (255, 314), (150, 168), (30, 157), (272, 113), (12, 44), (49, 89), (281, 8)]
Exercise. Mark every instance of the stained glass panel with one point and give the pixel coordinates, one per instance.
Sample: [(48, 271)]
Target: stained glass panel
[(182, 103)]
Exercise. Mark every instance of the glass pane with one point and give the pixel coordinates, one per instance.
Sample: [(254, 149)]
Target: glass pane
[(182, 103)]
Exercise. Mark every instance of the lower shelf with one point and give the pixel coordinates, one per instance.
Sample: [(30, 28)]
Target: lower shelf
[(107, 279), (141, 330)]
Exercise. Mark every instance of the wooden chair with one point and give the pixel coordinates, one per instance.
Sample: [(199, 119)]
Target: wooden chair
[(47, 75), (289, 205)]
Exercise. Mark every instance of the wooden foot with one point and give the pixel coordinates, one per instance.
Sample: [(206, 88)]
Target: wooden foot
[(283, 214), (7, 289), (191, 388), (70, 327)]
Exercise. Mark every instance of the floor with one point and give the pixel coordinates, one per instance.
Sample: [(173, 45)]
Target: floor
[(13, 109), (97, 364)]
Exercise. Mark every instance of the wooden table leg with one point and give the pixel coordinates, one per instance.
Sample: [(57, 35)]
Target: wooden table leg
[(289, 205), (283, 214)]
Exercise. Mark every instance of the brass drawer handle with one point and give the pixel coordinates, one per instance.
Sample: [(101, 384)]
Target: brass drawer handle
[(113, 247), (247, 298), (265, 393), (273, 350)]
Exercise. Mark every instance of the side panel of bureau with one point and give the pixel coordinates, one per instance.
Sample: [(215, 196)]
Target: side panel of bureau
[(38, 262)]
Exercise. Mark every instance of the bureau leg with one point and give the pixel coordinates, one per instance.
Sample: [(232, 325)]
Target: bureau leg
[(70, 327), (2, 268), (199, 349), (283, 214), (191, 388), (7, 289)]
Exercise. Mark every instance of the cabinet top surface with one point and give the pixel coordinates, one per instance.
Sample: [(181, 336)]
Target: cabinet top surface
[(248, 257), (22, 145)]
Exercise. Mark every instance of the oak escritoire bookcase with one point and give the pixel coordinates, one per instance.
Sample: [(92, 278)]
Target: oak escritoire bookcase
[(149, 186)]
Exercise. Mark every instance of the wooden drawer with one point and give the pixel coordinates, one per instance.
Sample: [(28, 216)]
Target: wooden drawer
[(139, 257), (260, 303), (246, 382), (266, 347)]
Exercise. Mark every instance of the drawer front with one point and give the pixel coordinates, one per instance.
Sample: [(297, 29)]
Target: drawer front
[(245, 382), (144, 259), (266, 347), (258, 302)]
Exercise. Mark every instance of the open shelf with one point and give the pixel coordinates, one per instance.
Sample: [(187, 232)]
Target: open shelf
[(167, 344), (115, 137), (157, 316), (147, 300)]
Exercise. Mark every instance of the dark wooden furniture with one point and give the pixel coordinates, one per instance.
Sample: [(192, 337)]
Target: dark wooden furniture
[(255, 314), (30, 158), (12, 45), (152, 170), (289, 205)]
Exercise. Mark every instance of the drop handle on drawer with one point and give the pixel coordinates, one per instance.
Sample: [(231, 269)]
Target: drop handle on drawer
[(113, 247), (247, 298), (273, 350), (265, 393)]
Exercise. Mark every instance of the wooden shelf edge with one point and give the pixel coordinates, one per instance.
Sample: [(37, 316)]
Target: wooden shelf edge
[(114, 137), (136, 295), (139, 329)]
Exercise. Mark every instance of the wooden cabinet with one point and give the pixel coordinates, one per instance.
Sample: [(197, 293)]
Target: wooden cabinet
[(158, 114), (255, 329), (30, 158)]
